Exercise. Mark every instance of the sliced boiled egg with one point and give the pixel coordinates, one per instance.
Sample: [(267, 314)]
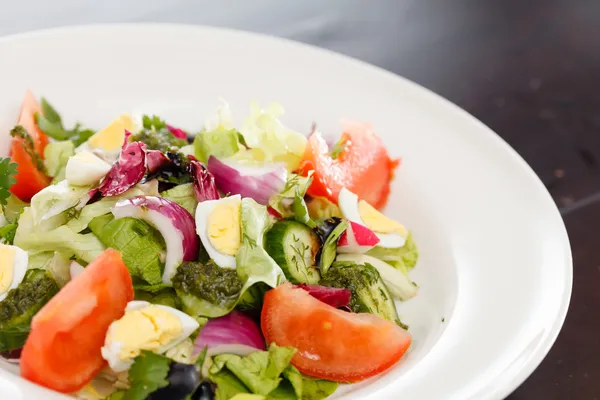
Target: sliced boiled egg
[(145, 326), (391, 234), (85, 168), (218, 223), (107, 142), (13, 265)]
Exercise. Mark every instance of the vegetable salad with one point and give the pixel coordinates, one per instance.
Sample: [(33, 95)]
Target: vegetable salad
[(249, 262)]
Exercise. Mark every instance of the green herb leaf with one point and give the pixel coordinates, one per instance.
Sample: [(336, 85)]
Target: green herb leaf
[(53, 129), (7, 233), (147, 374), (8, 171), (153, 122), (339, 148), (49, 112), (329, 249)]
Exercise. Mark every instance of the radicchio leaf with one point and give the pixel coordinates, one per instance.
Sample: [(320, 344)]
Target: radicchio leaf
[(177, 132), (129, 169), (204, 182)]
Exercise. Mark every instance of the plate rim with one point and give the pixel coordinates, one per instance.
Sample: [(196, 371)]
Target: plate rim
[(495, 389)]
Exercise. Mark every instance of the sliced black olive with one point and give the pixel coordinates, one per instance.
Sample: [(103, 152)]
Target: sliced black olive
[(183, 381), (204, 392)]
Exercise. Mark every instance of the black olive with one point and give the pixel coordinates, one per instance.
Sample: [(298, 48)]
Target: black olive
[(183, 381), (204, 392)]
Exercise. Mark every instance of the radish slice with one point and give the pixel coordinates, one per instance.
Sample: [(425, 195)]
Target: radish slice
[(174, 222), (234, 333), (357, 239), (335, 297)]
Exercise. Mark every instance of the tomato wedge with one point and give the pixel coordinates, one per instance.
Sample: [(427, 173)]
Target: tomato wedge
[(29, 108), (30, 179), (332, 344), (363, 165), (62, 351)]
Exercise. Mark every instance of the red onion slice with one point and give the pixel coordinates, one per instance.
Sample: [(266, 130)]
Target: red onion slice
[(258, 183), (127, 171), (335, 297), (234, 333), (174, 222)]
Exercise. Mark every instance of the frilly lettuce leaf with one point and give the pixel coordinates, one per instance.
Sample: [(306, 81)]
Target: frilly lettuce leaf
[(56, 155), (43, 238), (266, 373), (141, 246), (285, 202), (54, 199), (184, 196), (403, 258), (267, 138), (260, 371), (102, 207)]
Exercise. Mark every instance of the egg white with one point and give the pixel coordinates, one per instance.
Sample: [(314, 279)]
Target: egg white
[(85, 168), (348, 204), (110, 352), (19, 267), (203, 210)]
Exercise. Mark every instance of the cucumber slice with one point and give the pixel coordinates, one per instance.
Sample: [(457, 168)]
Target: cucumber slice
[(294, 247)]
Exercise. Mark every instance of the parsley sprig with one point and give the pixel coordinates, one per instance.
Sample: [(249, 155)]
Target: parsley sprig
[(8, 170)]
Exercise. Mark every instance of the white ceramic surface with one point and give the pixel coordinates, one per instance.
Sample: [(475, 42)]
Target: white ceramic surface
[(495, 269)]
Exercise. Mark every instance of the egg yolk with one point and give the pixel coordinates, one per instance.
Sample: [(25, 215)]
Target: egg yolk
[(111, 138), (223, 226), (7, 258), (148, 328), (377, 222)]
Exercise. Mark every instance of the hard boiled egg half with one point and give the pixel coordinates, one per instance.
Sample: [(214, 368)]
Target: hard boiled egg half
[(13, 265), (107, 142), (218, 223), (391, 234), (145, 326)]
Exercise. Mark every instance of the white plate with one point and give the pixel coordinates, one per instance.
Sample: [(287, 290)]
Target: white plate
[(495, 259)]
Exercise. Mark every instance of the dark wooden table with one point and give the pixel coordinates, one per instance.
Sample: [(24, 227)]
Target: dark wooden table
[(531, 71)]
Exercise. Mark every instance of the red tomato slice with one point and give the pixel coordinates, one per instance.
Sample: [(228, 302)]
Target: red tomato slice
[(30, 180), (29, 108), (363, 167), (332, 344), (62, 351)]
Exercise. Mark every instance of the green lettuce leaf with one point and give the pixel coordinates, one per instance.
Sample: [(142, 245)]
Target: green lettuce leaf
[(56, 155), (403, 258), (283, 202), (141, 246), (267, 373), (7, 233), (219, 142), (13, 208), (102, 207), (269, 140), (45, 237), (55, 199), (260, 371), (184, 196)]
